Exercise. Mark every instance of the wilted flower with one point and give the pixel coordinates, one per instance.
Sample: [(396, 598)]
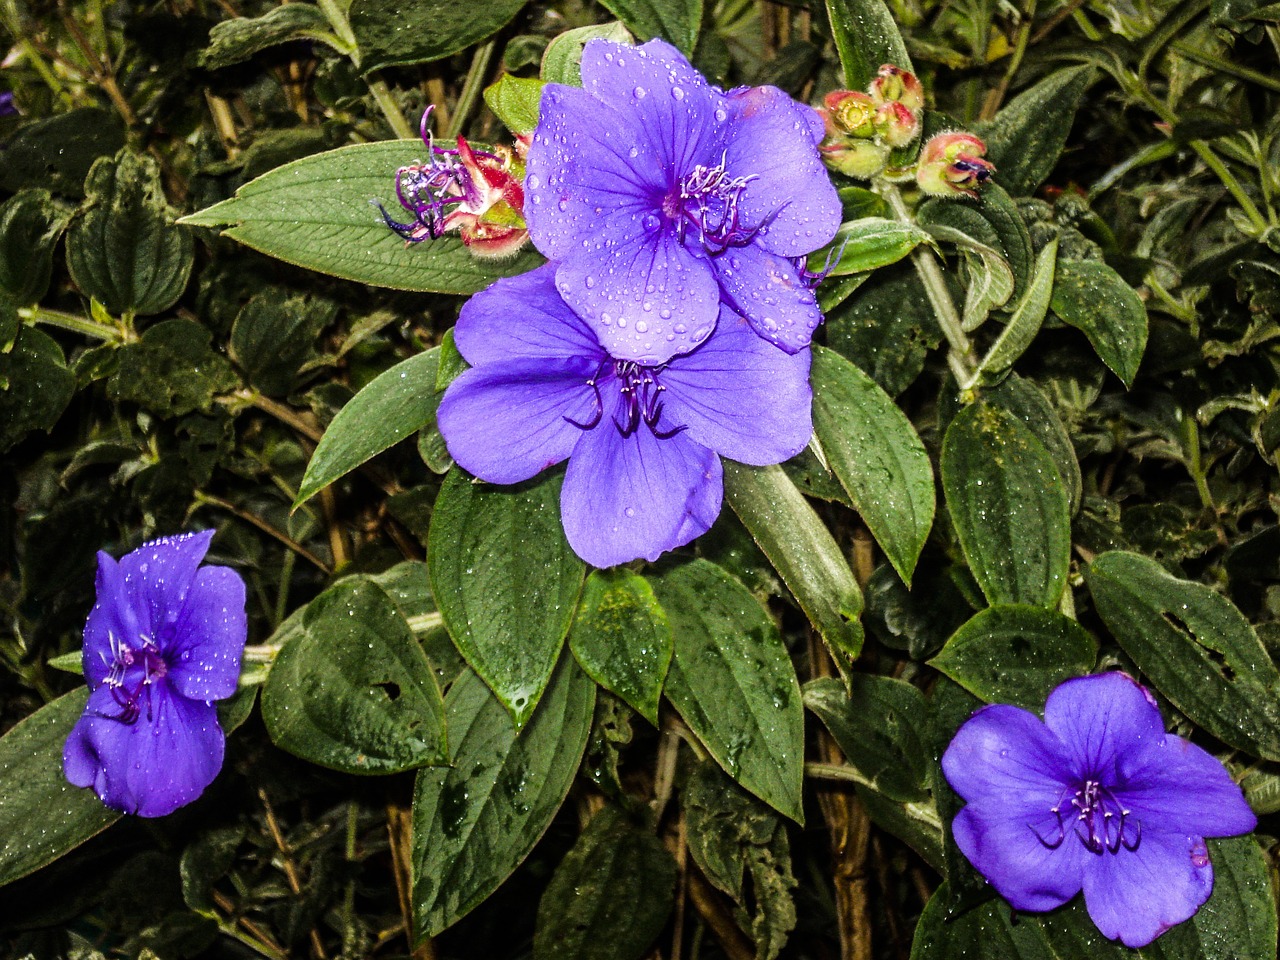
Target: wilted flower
[(477, 193), (951, 165), (895, 85), (162, 642), (660, 196), (1098, 798), (897, 124), (848, 113), (643, 441)]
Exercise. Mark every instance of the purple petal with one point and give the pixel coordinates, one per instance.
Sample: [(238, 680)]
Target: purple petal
[(507, 422), (150, 767), (1013, 845), (637, 496), (157, 576), (740, 396), (1182, 788), (1101, 718), (767, 290), (204, 655), (792, 194), (523, 317), (646, 296), (1005, 752), (1134, 896), (113, 615)]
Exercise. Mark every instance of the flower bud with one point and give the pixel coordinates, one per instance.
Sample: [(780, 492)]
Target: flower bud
[(862, 159), (895, 85), (951, 165), (897, 124), (848, 113)]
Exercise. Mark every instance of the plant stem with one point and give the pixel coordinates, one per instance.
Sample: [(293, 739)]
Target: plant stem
[(1214, 163), (1195, 465), (471, 88), (387, 103), (72, 322)]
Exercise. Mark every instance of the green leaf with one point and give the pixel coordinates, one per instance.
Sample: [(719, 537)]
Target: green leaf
[(562, 60), (866, 37), (389, 408), (610, 896), (352, 689), (866, 244), (676, 21), (987, 932), (878, 724), (993, 221), (35, 386), (475, 822), (30, 224), (1095, 300), (122, 247), (990, 278), (514, 101), (316, 212), (42, 816), (506, 581), (1026, 138), (1194, 646), (802, 550), (733, 683), (390, 33), (1014, 653), (274, 336), (172, 370), (236, 40), (1024, 400), (56, 153), (1026, 320), (622, 639), (1008, 505), (877, 456)]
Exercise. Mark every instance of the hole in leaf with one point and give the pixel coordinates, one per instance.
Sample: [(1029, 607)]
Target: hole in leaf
[(392, 690)]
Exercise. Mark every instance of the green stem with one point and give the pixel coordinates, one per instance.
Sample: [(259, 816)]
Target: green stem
[(387, 103), (1212, 161), (471, 88), (70, 321), (337, 18), (1195, 465), (1225, 66), (48, 76)]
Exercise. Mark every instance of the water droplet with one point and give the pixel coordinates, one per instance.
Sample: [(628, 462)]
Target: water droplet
[(630, 511), (647, 307), (633, 152), (563, 205), (651, 221), (701, 334), (606, 319), (721, 115), (622, 323), (664, 313), (680, 328), (641, 327), (590, 282), (639, 92), (677, 92), (533, 182)]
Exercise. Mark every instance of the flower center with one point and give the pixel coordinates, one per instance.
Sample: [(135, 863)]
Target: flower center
[(641, 398), (125, 659), (1101, 821), (707, 199)]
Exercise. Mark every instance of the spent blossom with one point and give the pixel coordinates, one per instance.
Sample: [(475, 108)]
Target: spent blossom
[(952, 165), (660, 196), (643, 441), (162, 642), (1098, 798)]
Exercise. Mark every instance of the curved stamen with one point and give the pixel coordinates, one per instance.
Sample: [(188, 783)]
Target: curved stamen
[(599, 412), (1102, 822), (708, 198)]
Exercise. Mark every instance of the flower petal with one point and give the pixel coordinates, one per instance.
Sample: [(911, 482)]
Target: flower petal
[(1015, 846), (523, 317), (204, 654), (742, 397), (157, 576), (646, 296), (1101, 718), (792, 194), (1183, 788), (150, 767), (1135, 895), (637, 496), (767, 290), (1006, 753), (112, 616)]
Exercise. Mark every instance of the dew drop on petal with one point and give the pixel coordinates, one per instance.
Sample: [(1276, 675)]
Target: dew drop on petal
[(721, 115), (630, 511), (677, 92), (641, 327), (563, 205), (533, 182), (664, 313), (639, 92), (590, 282)]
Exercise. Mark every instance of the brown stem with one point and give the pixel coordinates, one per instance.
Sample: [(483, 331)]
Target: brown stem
[(290, 869), (266, 528), (710, 906)]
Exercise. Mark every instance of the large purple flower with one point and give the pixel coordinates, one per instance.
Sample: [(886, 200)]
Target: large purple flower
[(643, 441), (1097, 797), (162, 642), (661, 196)]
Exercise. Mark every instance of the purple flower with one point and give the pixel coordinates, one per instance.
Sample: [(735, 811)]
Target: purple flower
[(662, 196), (7, 106), (643, 441), (162, 642), (1097, 797)]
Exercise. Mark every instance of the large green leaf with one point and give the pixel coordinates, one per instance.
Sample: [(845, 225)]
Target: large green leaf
[(866, 37), (41, 815), (390, 33), (122, 247), (352, 689), (1194, 646), (1025, 321), (733, 683), (877, 456), (867, 244), (1094, 299), (801, 549), (1008, 505), (506, 581), (35, 385), (622, 639), (1027, 402), (993, 221), (677, 21), (610, 896), (475, 822), (1014, 653), (236, 40), (30, 224), (393, 405), (316, 212)]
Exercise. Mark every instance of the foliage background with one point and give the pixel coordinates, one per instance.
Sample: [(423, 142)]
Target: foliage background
[(156, 377)]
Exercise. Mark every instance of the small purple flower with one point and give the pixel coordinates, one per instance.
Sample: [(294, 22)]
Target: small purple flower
[(662, 196), (162, 642), (1096, 797), (643, 441), (7, 106)]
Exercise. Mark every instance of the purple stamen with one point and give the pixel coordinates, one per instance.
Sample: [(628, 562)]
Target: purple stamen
[(428, 190), (1102, 821), (708, 198), (641, 398), (124, 657)]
